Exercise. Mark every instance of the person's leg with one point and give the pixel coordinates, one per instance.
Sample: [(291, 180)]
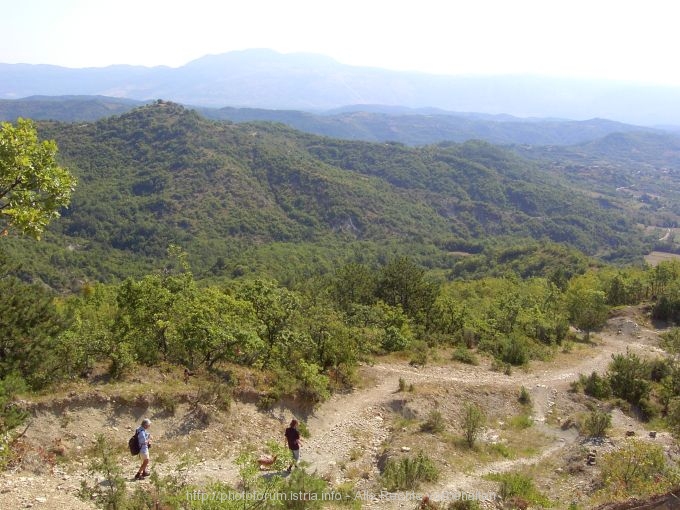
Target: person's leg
[(142, 468), (294, 454), (296, 458)]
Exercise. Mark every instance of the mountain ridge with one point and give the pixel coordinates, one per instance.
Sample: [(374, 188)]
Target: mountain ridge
[(375, 123), (267, 79)]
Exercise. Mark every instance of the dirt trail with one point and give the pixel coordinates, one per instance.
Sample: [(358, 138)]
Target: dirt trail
[(337, 421)]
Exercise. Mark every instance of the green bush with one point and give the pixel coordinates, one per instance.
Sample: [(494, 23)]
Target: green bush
[(408, 473), (518, 485), (464, 355), (647, 409), (637, 468), (303, 429), (521, 421), (627, 375), (597, 423), (501, 366), (465, 504), (473, 421), (309, 486), (596, 386), (515, 351)]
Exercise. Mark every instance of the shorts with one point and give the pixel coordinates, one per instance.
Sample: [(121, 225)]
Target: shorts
[(296, 454), (144, 455)]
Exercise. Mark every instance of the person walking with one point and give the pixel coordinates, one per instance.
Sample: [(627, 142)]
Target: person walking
[(293, 439), (144, 439)]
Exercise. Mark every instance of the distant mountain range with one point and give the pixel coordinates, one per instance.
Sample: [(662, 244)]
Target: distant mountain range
[(371, 123), (269, 80)]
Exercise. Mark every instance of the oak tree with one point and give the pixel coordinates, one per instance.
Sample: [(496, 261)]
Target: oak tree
[(33, 187)]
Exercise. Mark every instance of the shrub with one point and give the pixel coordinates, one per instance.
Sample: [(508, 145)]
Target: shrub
[(434, 423), (647, 409), (303, 429), (105, 464), (395, 339), (465, 504), (473, 421), (517, 486), (521, 421), (596, 386), (408, 472), (402, 384), (267, 401), (214, 393), (660, 368), (501, 366), (313, 386), (636, 468), (419, 357), (11, 415), (524, 397), (673, 416), (167, 402), (627, 377), (515, 351), (303, 483), (464, 355), (597, 423)]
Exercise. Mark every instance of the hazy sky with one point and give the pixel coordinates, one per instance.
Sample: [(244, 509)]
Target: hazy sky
[(628, 40)]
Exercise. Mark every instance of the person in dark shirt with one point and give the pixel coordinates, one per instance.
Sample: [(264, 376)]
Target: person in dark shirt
[(293, 440)]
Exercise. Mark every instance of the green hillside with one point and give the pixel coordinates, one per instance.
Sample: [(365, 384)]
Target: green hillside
[(65, 108), (642, 169), (264, 198)]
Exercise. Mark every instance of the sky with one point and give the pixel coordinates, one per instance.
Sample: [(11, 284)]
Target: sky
[(602, 39)]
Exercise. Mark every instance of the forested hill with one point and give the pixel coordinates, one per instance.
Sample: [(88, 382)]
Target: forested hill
[(162, 174), (65, 108)]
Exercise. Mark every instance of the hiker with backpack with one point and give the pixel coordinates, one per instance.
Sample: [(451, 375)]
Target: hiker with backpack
[(143, 443), (292, 436)]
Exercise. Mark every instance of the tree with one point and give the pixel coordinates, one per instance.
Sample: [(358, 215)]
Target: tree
[(32, 186), (353, 283), (29, 327), (627, 375), (402, 283), (587, 304), (208, 326), (276, 309)]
